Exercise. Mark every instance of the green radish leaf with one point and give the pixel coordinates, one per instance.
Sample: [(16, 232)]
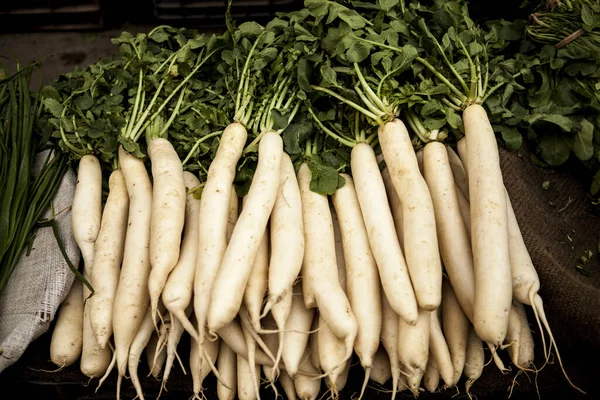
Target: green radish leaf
[(511, 136), (295, 134), (325, 179), (303, 72), (564, 123), (84, 102), (555, 149), (387, 5), (583, 146), (358, 51), (54, 107)]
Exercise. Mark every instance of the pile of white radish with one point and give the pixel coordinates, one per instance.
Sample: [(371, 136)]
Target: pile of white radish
[(416, 268)]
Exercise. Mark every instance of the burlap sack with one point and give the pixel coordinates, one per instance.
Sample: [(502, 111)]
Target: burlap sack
[(40, 281)]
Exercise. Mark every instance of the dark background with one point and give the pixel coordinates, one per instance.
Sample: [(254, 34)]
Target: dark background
[(76, 33)]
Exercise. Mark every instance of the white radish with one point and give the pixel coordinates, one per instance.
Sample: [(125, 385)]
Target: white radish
[(331, 355), (272, 342), (413, 348), (233, 335), (381, 371), (214, 216), (199, 367), (174, 336), (454, 242), (109, 249), (465, 212), (256, 287), (383, 237), (362, 276), (156, 355), (475, 360), (458, 171), (168, 215), (136, 349), (228, 288), (179, 288), (251, 340), (287, 383), (307, 388), (86, 209), (431, 379), (489, 228), (456, 329), (419, 225), (438, 350), (287, 243), (297, 328), (131, 298), (389, 340), (526, 348), (86, 214), (320, 265), (247, 379), (313, 343), (395, 205), (227, 364), (67, 334)]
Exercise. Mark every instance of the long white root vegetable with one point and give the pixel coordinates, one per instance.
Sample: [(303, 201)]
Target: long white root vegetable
[(381, 371), (131, 298), (438, 351), (475, 360), (389, 340), (489, 228), (214, 216), (247, 379), (320, 264), (227, 364), (456, 329), (67, 334), (362, 276), (227, 291), (109, 249), (297, 328), (179, 288), (383, 238), (168, 216), (419, 225), (413, 348)]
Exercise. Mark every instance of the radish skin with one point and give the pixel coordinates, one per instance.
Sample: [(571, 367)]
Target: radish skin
[(331, 355), (362, 276), (419, 225), (86, 209), (247, 379), (136, 349), (131, 298), (395, 205), (465, 212), (458, 171), (438, 351), (389, 340), (383, 238), (109, 249), (156, 355), (431, 379), (475, 360), (167, 218), (456, 329), (320, 264), (454, 244), (67, 334), (215, 206), (287, 383), (526, 348), (413, 348), (381, 371), (489, 228), (256, 288), (227, 292), (199, 367), (313, 343), (287, 241), (297, 329), (179, 288), (227, 364), (307, 388)]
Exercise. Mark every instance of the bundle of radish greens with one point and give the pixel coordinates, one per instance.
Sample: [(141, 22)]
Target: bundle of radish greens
[(326, 185)]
